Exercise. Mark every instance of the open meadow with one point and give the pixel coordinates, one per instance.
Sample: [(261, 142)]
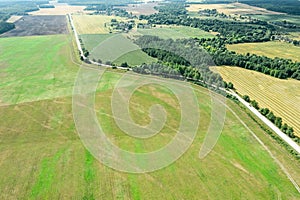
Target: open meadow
[(117, 48), (40, 71), (295, 19), (268, 49), (232, 8), (60, 10), (140, 9), (175, 32), (43, 157), (93, 24), (280, 96)]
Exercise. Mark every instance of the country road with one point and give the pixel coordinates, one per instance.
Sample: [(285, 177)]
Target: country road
[(272, 126)]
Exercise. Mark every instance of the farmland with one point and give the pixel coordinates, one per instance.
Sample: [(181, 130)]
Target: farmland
[(39, 25), (60, 10), (232, 8), (274, 18), (175, 32), (52, 163), (269, 49), (41, 71), (280, 96), (44, 155), (118, 48), (140, 9), (93, 24), (14, 18)]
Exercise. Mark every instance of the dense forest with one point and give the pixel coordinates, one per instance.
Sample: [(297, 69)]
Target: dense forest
[(230, 32), (4, 27), (178, 59), (286, 6)]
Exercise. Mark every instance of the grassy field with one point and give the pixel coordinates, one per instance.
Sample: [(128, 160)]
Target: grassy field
[(94, 24), (91, 41), (140, 9), (40, 71), (42, 157), (175, 32), (295, 35), (134, 58), (14, 18), (232, 8), (269, 49), (272, 18), (280, 96), (115, 48), (60, 10)]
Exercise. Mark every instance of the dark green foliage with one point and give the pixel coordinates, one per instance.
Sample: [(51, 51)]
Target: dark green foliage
[(246, 98), (187, 59), (254, 104), (124, 64), (4, 27), (231, 32), (166, 56), (287, 6), (230, 85)]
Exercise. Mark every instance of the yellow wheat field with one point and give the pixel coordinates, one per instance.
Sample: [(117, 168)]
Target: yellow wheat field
[(280, 96)]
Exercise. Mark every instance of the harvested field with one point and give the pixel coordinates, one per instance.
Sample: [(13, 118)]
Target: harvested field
[(140, 9), (269, 49), (39, 25), (280, 96), (232, 8), (14, 18), (93, 24), (175, 32), (60, 10)]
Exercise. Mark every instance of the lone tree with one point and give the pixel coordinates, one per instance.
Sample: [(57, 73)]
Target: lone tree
[(254, 104), (124, 64), (246, 98)]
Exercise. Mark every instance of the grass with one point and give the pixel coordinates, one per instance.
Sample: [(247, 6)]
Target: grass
[(93, 24), (40, 137), (117, 49), (295, 35), (140, 9), (14, 18), (39, 71), (269, 49), (60, 10), (231, 8), (134, 58), (175, 32), (91, 41), (273, 18), (280, 96)]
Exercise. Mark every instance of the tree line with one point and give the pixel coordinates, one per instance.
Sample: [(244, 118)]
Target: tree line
[(178, 58), (5, 26), (284, 127), (230, 32)]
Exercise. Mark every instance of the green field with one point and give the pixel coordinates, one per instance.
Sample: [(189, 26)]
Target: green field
[(269, 49), (39, 71), (175, 32), (290, 18), (135, 58), (116, 48), (42, 156), (91, 41)]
